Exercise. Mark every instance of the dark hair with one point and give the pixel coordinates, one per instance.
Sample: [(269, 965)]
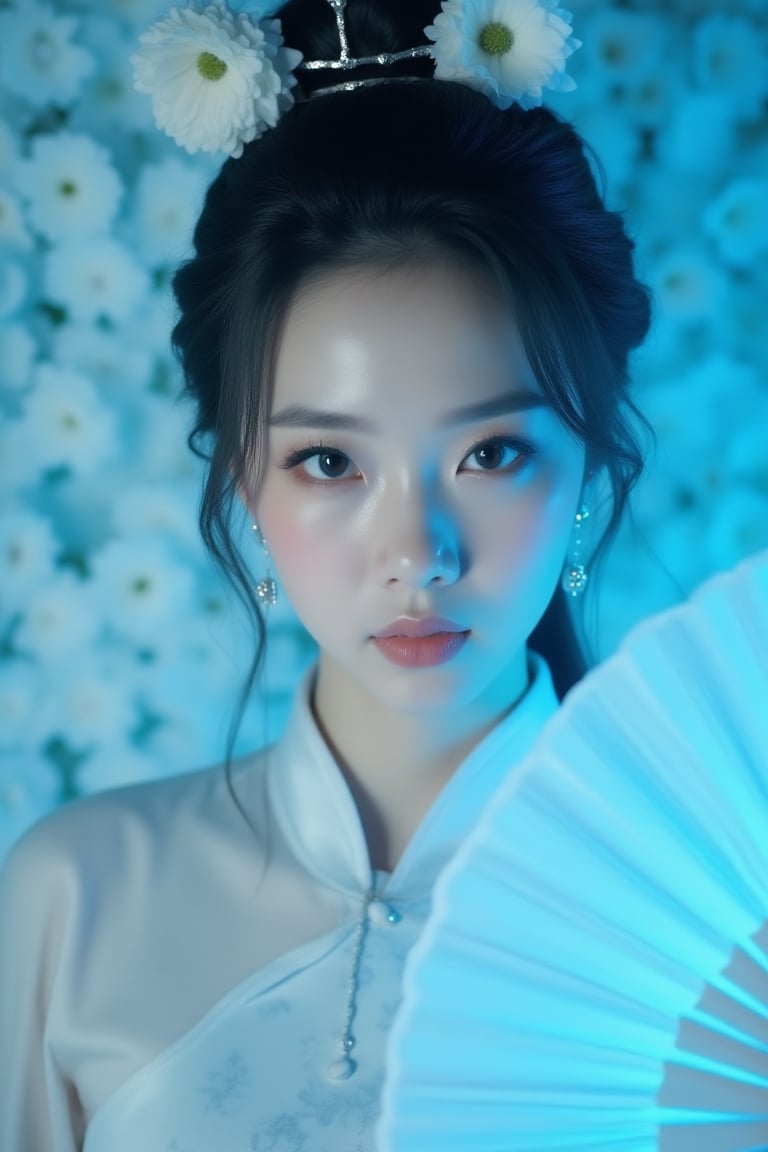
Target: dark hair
[(391, 173)]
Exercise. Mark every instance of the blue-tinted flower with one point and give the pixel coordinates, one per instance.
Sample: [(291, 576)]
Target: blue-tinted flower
[(71, 187), (731, 59), (28, 550), (737, 221), (59, 620), (14, 284), (509, 49), (67, 423), (142, 585), (97, 277), (38, 60), (169, 198), (217, 79)]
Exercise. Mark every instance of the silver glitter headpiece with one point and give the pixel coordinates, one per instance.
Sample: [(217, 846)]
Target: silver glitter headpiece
[(346, 63)]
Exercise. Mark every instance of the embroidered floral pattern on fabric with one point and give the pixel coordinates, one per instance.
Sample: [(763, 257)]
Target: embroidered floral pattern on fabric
[(225, 1085)]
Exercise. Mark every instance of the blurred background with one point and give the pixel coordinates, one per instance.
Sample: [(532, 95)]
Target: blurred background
[(121, 650)]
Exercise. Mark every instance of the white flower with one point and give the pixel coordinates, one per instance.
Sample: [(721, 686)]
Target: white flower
[(107, 357), (142, 585), (37, 60), (20, 692), (28, 548), (67, 422), (737, 221), (13, 230), (217, 79), (17, 352), (109, 99), (13, 287), (731, 59), (508, 49), (58, 620), (167, 509), (623, 45), (87, 707), (71, 187), (169, 198), (98, 277), (689, 289)]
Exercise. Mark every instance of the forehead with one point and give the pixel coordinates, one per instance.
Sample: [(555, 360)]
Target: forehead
[(409, 339)]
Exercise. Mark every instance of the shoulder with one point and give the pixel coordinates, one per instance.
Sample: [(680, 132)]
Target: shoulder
[(108, 835)]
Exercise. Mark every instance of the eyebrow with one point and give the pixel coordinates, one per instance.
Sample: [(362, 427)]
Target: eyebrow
[(299, 416)]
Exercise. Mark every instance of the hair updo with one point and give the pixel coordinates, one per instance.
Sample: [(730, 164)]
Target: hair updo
[(395, 173)]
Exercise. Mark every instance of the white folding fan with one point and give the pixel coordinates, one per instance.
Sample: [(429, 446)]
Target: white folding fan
[(594, 974)]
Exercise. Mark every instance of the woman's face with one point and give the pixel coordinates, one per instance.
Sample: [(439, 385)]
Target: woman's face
[(414, 470)]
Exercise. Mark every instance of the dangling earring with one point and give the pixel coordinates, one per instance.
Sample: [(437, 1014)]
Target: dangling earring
[(266, 589), (575, 576)]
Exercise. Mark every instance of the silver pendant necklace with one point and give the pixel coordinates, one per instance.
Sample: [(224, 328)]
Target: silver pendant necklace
[(344, 1066)]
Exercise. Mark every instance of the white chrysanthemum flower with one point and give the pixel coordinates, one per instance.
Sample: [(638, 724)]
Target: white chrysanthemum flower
[(37, 59), (58, 620), (650, 99), (109, 99), (67, 422), (169, 198), (108, 357), (624, 45), (731, 59), (13, 230), (17, 353), (28, 549), (20, 694), (688, 288), (737, 221), (98, 277), (509, 49), (87, 707), (162, 509), (70, 185), (216, 78), (142, 585), (13, 287)]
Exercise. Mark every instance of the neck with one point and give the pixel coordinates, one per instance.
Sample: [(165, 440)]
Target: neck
[(397, 761)]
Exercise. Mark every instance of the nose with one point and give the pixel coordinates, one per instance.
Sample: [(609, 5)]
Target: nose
[(417, 543)]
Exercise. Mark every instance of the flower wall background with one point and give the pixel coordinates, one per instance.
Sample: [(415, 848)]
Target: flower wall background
[(121, 651)]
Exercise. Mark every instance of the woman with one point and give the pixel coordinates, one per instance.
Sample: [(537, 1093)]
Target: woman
[(406, 327)]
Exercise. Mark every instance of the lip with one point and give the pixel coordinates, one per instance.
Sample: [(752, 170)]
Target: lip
[(421, 651), (417, 627)]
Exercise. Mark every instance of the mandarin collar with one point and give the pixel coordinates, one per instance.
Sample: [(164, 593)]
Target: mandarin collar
[(314, 807)]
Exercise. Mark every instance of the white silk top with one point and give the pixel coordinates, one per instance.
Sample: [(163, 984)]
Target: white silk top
[(175, 979)]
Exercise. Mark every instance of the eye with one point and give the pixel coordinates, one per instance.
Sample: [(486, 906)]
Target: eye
[(498, 454), (321, 462)]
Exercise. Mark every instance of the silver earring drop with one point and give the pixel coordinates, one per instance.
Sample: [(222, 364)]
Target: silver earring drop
[(575, 576), (266, 589)]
